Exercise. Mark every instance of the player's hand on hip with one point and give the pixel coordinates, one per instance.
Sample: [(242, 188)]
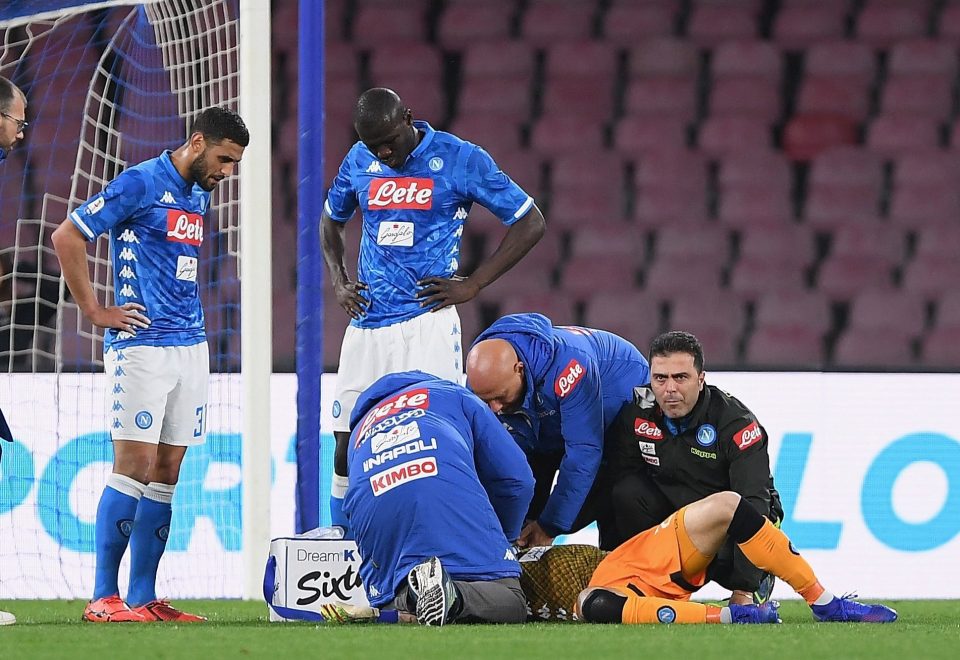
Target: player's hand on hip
[(440, 292), (127, 317), (348, 296), (533, 536)]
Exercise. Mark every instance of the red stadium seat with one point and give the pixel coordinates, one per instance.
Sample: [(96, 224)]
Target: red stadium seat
[(845, 59), (375, 25), (471, 323), (786, 310), (921, 95), (584, 277), (938, 242), (426, 97), (842, 96), (721, 346), (751, 169), (545, 22), (721, 135), (948, 24), (667, 279), (746, 205), (528, 276), (845, 276), (925, 57), (633, 315), (939, 349), (882, 24), (602, 169), (557, 134), (570, 209), (666, 57), (555, 305), (507, 99), (619, 240), (712, 24), (932, 276), (340, 60), (796, 347), (589, 98), (847, 166), (795, 28), (807, 135), (791, 244), (948, 310), (708, 243), (285, 330), (498, 59), (754, 275), (624, 24), (405, 59), (709, 311), (896, 311), (493, 133), (884, 243), (676, 168), (662, 207), (668, 97), (754, 97), (524, 167), (873, 349), (634, 135), (463, 23), (580, 59), (737, 59), (894, 135), (919, 205)]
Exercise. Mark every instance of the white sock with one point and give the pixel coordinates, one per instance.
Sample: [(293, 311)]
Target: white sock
[(126, 485), (825, 598), (338, 487), (159, 492)]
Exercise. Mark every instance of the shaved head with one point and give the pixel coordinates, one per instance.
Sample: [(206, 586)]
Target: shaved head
[(385, 125), (378, 107), (496, 374)]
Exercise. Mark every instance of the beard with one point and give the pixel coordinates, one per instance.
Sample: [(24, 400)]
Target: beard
[(199, 174)]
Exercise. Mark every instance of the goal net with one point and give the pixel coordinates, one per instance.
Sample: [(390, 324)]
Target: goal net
[(108, 84)]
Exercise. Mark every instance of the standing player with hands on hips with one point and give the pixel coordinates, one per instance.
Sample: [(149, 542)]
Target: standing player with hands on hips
[(155, 348), (415, 187)]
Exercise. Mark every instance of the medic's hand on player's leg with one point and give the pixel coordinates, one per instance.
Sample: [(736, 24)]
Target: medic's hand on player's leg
[(348, 297), (533, 536), (440, 292)]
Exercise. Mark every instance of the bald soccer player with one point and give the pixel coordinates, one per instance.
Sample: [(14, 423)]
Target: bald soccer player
[(557, 390)]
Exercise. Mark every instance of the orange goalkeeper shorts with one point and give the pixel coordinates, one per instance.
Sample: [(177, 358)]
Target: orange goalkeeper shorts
[(651, 562)]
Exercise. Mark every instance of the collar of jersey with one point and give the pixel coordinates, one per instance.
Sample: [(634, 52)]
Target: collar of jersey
[(428, 133), (167, 164), (678, 426)]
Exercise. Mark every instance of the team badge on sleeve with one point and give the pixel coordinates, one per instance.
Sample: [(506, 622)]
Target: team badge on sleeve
[(748, 436)]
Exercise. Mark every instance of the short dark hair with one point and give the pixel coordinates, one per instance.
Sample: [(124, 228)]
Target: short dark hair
[(678, 341), (219, 124), (8, 92), (378, 106)]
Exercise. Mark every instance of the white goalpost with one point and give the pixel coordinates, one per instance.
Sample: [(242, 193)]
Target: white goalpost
[(110, 84)]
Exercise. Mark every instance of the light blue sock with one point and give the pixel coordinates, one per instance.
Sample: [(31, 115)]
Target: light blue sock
[(338, 490), (115, 516), (148, 541)]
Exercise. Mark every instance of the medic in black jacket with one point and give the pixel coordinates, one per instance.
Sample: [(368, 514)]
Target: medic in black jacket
[(682, 440)]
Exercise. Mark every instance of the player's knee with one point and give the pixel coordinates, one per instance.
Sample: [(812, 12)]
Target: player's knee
[(601, 606)]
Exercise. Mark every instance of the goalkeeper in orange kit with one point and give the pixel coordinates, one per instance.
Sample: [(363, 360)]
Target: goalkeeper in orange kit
[(650, 578)]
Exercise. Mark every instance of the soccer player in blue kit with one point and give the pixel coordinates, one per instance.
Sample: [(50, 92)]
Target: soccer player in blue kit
[(437, 495), (414, 187), (13, 107), (557, 390), (155, 348)]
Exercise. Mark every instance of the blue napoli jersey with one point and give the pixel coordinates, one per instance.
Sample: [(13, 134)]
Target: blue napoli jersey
[(432, 473), (155, 220), (577, 380), (413, 216)]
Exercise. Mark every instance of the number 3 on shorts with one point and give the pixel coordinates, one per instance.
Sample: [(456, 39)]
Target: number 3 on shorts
[(201, 426)]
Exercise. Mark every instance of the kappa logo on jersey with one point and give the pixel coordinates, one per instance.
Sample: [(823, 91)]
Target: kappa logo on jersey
[(126, 254), (183, 227), (167, 197), (127, 291), (571, 375), (374, 167), (461, 214), (647, 429), (421, 468), (127, 273), (412, 399), (407, 193), (398, 435), (748, 436), (127, 236)]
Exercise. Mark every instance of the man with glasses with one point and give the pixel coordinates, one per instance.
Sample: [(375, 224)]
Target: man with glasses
[(13, 106)]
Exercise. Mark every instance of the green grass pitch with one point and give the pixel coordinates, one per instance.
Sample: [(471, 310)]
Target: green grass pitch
[(237, 629)]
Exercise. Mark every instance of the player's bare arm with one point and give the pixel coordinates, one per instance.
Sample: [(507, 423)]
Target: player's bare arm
[(440, 292), (534, 536), (347, 291), (71, 248)]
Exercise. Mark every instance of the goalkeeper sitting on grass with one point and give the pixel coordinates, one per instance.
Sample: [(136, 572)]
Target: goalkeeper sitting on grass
[(650, 578)]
